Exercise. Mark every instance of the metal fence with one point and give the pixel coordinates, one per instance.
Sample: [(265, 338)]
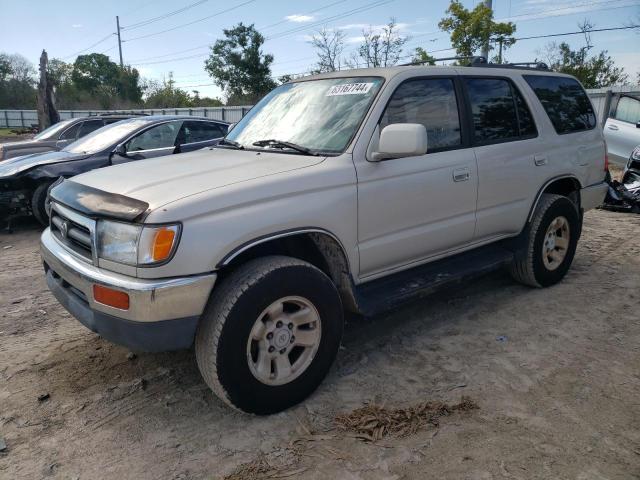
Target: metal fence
[(28, 118)]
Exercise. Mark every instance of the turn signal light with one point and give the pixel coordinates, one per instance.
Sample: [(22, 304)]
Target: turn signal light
[(110, 297), (162, 244)]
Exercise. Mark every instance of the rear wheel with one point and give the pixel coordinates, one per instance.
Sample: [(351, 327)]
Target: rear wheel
[(269, 334), (550, 242), (39, 203)]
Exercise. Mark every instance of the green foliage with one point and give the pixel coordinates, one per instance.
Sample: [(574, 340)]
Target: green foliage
[(471, 29), (165, 94), (17, 82), (420, 55), (238, 65), (595, 71)]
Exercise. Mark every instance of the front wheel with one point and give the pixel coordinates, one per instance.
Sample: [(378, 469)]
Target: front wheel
[(39, 205), (269, 334), (550, 242)]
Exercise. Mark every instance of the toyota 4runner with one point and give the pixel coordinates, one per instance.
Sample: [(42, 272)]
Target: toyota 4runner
[(347, 191)]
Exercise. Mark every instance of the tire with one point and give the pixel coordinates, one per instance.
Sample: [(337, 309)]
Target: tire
[(532, 266), (39, 203), (230, 362)]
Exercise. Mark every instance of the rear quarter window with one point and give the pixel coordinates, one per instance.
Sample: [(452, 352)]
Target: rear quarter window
[(565, 102)]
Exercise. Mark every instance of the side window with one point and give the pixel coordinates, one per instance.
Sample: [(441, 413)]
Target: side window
[(160, 136), (628, 110), (565, 102), (200, 131), (431, 102), (89, 126), (71, 133), (493, 109)]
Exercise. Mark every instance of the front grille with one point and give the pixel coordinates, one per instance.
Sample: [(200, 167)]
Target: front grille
[(74, 233)]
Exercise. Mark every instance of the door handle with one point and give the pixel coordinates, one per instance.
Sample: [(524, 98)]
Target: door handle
[(613, 127), (540, 160), (461, 174)]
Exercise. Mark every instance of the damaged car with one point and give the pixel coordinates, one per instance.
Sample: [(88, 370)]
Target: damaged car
[(59, 135), (624, 195), (25, 180)]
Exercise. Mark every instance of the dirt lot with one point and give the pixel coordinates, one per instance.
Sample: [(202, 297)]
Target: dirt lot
[(555, 374)]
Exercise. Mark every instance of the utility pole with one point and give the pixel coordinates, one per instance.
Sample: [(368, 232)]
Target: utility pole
[(119, 41), (485, 48), (500, 40)]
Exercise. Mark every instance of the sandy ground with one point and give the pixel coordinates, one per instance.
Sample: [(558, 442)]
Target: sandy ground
[(555, 373)]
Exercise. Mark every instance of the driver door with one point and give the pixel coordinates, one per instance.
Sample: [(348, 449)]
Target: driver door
[(156, 141)]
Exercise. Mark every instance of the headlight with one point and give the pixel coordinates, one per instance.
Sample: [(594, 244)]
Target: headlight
[(135, 245)]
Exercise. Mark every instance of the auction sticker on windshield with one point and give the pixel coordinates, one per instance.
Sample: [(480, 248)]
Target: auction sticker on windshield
[(349, 89)]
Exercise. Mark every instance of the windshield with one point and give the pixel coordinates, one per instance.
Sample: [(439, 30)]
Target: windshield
[(319, 115), (106, 136), (53, 130)]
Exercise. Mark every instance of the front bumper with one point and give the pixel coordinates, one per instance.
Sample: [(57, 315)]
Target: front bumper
[(593, 195), (162, 314)]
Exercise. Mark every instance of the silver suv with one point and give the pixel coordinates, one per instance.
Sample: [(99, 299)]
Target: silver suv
[(350, 191)]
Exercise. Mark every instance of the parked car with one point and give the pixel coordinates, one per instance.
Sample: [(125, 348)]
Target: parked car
[(622, 128), (24, 181), (59, 135), (348, 190)]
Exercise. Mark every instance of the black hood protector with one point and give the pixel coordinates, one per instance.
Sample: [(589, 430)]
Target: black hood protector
[(96, 203)]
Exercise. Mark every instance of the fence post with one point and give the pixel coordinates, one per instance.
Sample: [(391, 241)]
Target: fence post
[(242, 111), (6, 118), (176, 111), (223, 115), (190, 113), (22, 118), (205, 112)]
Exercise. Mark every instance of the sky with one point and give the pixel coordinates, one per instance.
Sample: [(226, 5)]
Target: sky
[(163, 36)]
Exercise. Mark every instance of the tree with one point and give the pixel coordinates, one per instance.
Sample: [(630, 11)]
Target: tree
[(595, 71), (420, 55), (17, 82), (238, 65), (471, 30), (380, 49), (329, 45), (165, 94)]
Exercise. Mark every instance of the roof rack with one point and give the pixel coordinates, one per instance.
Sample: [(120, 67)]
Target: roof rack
[(476, 61), (107, 114)]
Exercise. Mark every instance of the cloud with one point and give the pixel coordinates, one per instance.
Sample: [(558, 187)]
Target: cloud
[(77, 25), (299, 18)]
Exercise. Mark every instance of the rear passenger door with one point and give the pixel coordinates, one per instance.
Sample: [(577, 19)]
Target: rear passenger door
[(508, 154), (413, 208), (196, 134), (622, 129)]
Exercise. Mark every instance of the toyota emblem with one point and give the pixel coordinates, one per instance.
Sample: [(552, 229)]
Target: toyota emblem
[(64, 229)]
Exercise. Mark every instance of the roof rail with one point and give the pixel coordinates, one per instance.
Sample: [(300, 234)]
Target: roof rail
[(106, 114), (475, 61), (520, 65)]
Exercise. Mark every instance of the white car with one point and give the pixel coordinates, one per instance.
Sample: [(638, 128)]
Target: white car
[(622, 128), (354, 190)]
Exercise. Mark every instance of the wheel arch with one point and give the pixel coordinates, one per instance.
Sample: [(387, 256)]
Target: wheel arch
[(317, 246), (565, 185)]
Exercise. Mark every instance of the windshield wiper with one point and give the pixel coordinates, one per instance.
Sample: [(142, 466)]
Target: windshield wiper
[(280, 144), (231, 143)]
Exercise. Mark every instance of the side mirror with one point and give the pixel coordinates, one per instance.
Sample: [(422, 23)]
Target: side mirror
[(401, 140), (120, 150), (637, 124)]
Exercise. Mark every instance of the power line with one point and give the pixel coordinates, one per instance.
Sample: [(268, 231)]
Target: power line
[(190, 23), (104, 39), (163, 16), (534, 15), (306, 13), (578, 32), (348, 13)]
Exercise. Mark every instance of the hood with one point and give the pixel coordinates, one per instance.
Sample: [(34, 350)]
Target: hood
[(16, 165), (159, 181)]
